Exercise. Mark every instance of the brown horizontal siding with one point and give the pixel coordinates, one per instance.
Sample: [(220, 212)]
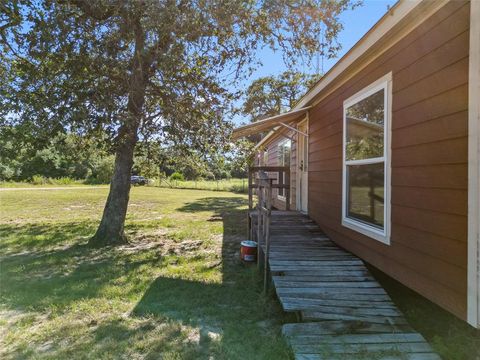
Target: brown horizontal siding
[(443, 128), (328, 164), (320, 112), (452, 151), (325, 176), (413, 238), (448, 102), (408, 254), (444, 247), (450, 52), (431, 199), (439, 223), (435, 177), (319, 142), (331, 152), (429, 160), (448, 78), (331, 131)]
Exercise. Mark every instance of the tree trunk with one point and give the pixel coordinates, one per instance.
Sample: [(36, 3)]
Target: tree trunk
[(111, 229)]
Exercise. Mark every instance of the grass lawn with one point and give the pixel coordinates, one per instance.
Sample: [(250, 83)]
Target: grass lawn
[(177, 291)]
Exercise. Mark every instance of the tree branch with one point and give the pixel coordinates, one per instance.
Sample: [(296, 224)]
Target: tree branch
[(99, 13)]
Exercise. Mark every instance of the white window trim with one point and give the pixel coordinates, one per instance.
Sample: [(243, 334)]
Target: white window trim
[(373, 232), (473, 293), (283, 197)]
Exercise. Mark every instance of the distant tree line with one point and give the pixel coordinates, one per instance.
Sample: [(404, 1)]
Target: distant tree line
[(24, 156)]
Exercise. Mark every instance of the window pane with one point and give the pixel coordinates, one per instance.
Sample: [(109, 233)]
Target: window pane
[(366, 193), (365, 128)]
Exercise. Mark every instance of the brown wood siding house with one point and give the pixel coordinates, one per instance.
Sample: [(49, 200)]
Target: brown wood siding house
[(421, 59), (429, 161)]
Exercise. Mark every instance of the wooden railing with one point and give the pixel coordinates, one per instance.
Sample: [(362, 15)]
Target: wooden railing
[(260, 184), (282, 173)]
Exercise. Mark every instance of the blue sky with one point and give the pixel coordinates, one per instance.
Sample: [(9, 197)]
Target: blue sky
[(355, 22)]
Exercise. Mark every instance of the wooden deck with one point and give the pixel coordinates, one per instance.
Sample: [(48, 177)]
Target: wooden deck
[(343, 311)]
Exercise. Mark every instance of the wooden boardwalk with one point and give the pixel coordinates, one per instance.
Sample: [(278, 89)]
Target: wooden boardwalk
[(343, 311)]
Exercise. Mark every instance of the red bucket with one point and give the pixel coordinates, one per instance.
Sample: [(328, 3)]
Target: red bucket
[(248, 251)]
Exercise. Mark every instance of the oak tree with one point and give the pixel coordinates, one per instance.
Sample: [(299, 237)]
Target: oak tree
[(271, 95), (135, 69)]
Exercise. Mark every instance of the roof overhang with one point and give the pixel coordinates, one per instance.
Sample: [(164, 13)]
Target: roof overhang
[(270, 124)]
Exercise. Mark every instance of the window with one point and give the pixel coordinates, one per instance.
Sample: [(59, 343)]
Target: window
[(283, 160), (366, 167)]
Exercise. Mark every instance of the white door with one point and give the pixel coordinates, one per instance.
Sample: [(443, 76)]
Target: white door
[(302, 188)]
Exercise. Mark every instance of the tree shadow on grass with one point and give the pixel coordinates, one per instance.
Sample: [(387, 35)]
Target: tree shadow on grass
[(233, 321), (28, 238), (247, 322), (174, 317), (55, 271), (216, 204), (232, 211)]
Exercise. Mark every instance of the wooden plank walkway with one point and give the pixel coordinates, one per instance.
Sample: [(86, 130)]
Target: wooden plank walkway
[(343, 311)]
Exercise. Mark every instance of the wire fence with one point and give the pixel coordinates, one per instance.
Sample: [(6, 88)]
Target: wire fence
[(233, 185)]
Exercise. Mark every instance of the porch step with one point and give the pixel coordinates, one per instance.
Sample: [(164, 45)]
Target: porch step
[(342, 339)]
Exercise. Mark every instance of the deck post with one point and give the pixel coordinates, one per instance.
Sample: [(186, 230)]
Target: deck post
[(250, 204), (259, 239), (259, 221), (268, 213), (261, 185)]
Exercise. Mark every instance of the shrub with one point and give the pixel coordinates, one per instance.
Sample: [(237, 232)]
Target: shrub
[(210, 175), (177, 176), (38, 180), (6, 172), (42, 180), (224, 174), (102, 171), (62, 181)]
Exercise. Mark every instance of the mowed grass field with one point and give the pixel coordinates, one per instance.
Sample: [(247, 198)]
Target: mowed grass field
[(177, 291)]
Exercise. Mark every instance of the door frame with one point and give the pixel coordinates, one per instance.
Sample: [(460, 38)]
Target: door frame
[(298, 190)]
